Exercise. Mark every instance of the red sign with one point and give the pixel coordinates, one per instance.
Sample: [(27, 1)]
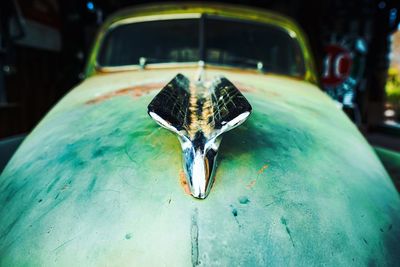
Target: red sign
[(337, 65)]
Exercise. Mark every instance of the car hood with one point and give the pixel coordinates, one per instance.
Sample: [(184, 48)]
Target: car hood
[(98, 182)]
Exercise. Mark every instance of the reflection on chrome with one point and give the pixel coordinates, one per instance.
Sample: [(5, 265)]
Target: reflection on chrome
[(199, 113)]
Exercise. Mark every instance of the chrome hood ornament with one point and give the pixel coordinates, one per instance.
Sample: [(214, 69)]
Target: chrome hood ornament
[(199, 113)]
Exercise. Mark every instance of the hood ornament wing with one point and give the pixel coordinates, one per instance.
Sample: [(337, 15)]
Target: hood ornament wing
[(199, 114)]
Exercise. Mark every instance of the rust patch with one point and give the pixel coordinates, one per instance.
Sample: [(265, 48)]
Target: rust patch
[(263, 168), (250, 89), (271, 94), (251, 184), (182, 180), (244, 87), (134, 91)]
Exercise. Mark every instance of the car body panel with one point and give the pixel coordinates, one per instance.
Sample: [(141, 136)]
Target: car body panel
[(99, 183)]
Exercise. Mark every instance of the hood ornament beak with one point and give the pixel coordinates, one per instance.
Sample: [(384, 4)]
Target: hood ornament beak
[(199, 114)]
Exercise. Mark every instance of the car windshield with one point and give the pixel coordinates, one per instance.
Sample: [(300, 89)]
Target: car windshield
[(214, 40)]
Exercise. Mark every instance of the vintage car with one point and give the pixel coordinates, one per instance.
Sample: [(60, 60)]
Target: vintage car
[(123, 171)]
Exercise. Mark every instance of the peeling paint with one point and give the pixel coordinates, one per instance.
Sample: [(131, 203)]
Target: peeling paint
[(194, 235), (183, 182), (134, 91), (263, 168)]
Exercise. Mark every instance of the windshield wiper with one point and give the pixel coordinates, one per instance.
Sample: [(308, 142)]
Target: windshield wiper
[(143, 61), (233, 60)]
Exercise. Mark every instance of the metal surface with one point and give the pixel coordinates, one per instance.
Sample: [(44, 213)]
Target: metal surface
[(199, 113), (95, 184)]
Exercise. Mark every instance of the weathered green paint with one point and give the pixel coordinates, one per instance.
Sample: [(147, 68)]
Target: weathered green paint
[(98, 185)]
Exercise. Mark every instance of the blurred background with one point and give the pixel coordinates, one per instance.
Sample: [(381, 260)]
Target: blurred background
[(44, 45)]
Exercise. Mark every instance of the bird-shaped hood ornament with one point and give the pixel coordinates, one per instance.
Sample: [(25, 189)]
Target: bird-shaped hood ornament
[(199, 114)]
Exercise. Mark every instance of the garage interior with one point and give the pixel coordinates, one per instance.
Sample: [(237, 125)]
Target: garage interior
[(44, 45)]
